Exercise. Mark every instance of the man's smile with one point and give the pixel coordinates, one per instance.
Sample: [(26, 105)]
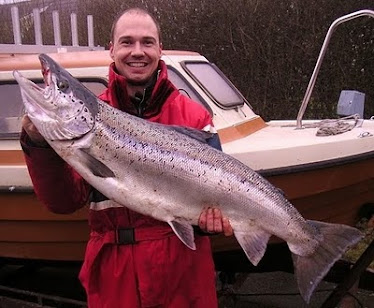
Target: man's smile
[(137, 64)]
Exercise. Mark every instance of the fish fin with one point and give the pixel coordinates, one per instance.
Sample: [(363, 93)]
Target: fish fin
[(311, 269), (254, 242), (200, 135), (96, 167), (185, 233)]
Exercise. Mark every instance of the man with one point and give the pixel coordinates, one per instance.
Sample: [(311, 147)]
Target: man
[(132, 260)]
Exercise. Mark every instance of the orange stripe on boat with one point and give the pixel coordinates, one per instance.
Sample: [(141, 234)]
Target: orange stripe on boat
[(11, 157), (240, 131)]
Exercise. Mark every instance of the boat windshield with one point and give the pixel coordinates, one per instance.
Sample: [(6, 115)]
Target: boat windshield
[(214, 83), (185, 88)]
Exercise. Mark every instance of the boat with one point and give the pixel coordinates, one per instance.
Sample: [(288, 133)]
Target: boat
[(325, 167)]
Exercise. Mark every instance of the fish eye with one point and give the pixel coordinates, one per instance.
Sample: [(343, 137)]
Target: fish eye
[(63, 85)]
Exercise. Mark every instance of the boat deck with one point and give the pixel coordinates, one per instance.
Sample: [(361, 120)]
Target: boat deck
[(280, 144)]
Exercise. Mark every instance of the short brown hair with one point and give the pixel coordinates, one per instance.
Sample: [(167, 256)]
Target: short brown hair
[(135, 10)]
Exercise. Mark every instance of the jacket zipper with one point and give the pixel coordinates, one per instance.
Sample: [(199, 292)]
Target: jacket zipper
[(141, 105)]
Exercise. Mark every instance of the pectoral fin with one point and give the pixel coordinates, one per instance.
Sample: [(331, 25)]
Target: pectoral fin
[(96, 167), (254, 242), (185, 233)]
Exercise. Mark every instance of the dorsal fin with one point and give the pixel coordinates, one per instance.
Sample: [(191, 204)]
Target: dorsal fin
[(194, 133)]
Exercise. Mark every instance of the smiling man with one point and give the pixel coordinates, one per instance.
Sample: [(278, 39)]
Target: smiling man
[(133, 260), (135, 48)]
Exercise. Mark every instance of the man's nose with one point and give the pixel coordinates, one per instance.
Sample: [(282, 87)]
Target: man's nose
[(138, 49)]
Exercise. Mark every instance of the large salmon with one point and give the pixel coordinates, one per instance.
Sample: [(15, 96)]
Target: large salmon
[(171, 174)]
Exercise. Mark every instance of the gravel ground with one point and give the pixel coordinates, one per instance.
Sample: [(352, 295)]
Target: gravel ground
[(279, 290)]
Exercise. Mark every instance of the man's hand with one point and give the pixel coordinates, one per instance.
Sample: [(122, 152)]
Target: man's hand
[(33, 132), (212, 221)]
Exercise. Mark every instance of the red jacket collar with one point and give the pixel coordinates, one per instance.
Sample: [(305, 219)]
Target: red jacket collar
[(117, 96)]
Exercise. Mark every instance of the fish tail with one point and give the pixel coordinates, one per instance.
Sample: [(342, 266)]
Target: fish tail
[(310, 270)]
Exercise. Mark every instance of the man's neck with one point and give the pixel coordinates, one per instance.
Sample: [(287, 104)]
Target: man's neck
[(132, 89)]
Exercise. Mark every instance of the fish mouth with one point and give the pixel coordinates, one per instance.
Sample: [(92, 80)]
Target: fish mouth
[(37, 108), (32, 94), (46, 72), (36, 96), (26, 83), (54, 109)]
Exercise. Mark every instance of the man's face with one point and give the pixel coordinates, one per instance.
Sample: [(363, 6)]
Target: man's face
[(136, 48)]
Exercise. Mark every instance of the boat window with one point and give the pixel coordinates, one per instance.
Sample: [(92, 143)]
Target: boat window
[(215, 84), (12, 109), (96, 86), (185, 88)]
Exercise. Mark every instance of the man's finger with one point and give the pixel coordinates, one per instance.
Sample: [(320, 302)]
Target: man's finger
[(209, 220), (227, 229), (202, 220), (217, 220)]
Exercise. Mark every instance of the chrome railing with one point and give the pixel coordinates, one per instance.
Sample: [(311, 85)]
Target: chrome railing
[(312, 81)]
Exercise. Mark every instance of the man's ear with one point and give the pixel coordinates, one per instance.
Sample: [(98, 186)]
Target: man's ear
[(111, 50), (160, 46)]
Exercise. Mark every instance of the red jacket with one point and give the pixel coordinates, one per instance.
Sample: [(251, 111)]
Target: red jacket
[(158, 270)]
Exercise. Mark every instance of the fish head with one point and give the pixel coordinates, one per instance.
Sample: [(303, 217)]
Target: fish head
[(62, 110)]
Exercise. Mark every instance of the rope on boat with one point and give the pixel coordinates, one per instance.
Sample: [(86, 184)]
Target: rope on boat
[(330, 127)]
